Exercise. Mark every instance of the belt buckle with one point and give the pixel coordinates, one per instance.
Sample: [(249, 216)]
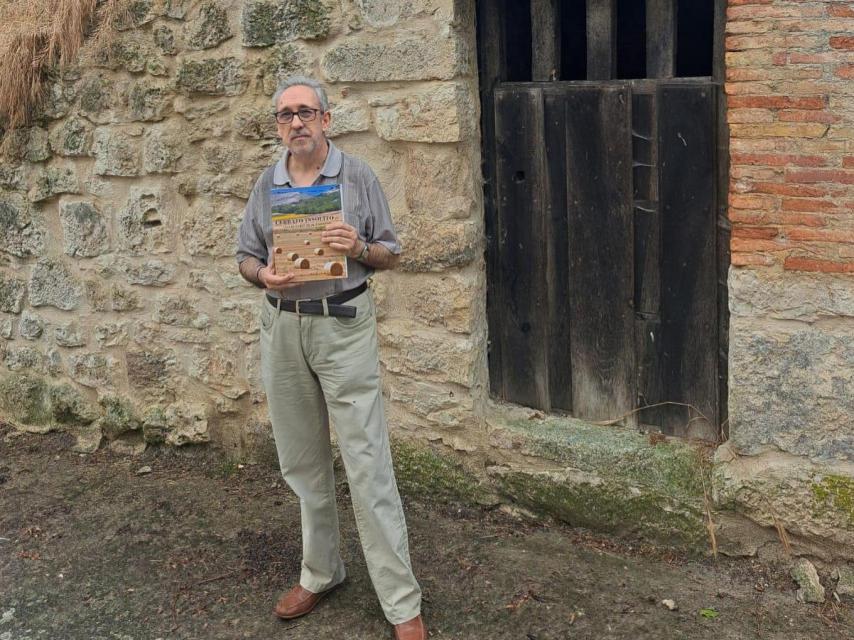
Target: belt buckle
[(296, 304)]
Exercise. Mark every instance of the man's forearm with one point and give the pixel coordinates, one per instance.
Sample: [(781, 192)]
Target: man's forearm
[(379, 257), (249, 271)]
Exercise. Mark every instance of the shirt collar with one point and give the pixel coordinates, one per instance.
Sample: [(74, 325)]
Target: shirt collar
[(331, 166)]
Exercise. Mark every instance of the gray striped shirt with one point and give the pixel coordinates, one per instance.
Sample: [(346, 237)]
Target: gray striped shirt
[(365, 208)]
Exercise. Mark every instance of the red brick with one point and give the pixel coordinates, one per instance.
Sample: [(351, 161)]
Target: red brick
[(780, 58), (845, 71), (760, 233), (797, 219), (752, 201), (822, 235), (805, 204), (796, 57), (751, 259), (797, 263), (738, 216), (810, 176), (734, 3), (796, 190), (836, 10), (845, 43), (778, 159), (778, 102), (750, 244), (808, 116), (848, 162), (753, 13)]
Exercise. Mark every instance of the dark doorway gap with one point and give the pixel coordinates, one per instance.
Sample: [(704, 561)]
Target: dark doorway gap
[(695, 27), (573, 37), (517, 39), (631, 39)]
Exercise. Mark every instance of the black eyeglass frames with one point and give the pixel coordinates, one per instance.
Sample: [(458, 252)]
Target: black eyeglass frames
[(305, 115)]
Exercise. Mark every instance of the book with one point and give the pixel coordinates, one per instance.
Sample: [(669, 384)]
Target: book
[(299, 216)]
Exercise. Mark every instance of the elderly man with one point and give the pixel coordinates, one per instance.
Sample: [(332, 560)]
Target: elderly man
[(319, 364)]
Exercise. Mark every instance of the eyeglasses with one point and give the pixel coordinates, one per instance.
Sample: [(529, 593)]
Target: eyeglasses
[(305, 115)]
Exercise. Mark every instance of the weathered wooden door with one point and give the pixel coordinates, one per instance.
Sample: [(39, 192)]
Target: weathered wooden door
[(602, 225)]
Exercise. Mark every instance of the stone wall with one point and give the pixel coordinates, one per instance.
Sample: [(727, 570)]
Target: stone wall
[(124, 320), (790, 459)]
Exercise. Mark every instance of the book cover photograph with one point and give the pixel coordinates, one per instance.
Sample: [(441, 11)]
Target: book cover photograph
[(299, 217)]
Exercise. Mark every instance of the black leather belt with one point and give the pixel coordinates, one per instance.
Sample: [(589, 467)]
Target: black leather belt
[(334, 304)]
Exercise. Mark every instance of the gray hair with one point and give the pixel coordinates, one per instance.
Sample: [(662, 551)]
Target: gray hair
[(302, 81)]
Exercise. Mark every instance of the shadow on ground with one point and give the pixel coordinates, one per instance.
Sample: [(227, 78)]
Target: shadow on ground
[(199, 549)]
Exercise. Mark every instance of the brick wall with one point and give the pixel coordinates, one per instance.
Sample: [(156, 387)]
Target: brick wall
[(790, 88)]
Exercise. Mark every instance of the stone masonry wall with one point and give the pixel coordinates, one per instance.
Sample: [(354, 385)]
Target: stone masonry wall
[(790, 86), (122, 316)]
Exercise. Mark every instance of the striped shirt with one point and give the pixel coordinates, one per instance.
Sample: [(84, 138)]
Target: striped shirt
[(365, 208)]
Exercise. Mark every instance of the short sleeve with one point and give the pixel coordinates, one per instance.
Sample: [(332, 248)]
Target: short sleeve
[(381, 230), (250, 235)]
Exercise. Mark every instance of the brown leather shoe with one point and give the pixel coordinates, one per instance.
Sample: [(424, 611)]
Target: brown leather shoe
[(411, 630), (298, 602)]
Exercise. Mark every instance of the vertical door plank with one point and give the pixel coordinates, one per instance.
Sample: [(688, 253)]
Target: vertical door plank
[(490, 39), (599, 195), (660, 38), (689, 315), (557, 273), (601, 39), (521, 257), (545, 39)]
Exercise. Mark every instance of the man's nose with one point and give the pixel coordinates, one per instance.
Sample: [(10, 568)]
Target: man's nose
[(297, 123)]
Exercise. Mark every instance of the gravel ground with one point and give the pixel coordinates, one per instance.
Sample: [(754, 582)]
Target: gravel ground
[(199, 549)]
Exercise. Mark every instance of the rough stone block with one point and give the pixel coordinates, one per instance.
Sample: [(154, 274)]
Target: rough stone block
[(163, 150), (12, 293), (11, 177), (349, 117), (69, 407), (120, 417), (52, 181), (150, 372), (149, 273), (95, 96), (25, 400), (210, 227), (433, 247), (7, 329), (111, 334), (268, 22), (282, 62), (176, 9), (453, 301), (31, 326), (238, 316), (164, 40), (72, 138), (129, 52), (116, 154), (148, 102), (181, 311), (255, 123), (209, 28), (69, 335), (219, 368), (414, 350), (439, 182), (411, 56), (444, 406), (95, 370), (441, 113), (146, 223), (53, 284), (386, 13), (806, 576), (790, 388), (216, 77), (24, 358), (84, 230), (21, 233)]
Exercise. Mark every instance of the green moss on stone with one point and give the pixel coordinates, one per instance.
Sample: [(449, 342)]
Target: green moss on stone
[(213, 77), (422, 472), (93, 95), (211, 28), (609, 506), (155, 425), (25, 398), (69, 407), (835, 493), (119, 417), (266, 22)]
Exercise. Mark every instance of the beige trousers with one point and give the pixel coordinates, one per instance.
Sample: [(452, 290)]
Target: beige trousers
[(318, 369)]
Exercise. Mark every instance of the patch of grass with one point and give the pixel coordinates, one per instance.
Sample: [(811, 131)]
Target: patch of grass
[(40, 35)]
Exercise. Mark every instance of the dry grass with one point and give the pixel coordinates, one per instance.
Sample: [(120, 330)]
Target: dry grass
[(38, 36)]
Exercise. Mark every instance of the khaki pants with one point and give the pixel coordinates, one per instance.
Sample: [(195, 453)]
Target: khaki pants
[(317, 368)]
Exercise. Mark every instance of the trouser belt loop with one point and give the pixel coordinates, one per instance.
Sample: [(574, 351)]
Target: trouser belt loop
[(325, 306)]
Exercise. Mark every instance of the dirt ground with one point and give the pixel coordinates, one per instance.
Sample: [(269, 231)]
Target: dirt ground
[(199, 548)]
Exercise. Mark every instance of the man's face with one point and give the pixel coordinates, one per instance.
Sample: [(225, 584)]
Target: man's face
[(302, 138)]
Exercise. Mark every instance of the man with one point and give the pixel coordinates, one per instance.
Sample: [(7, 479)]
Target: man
[(318, 364)]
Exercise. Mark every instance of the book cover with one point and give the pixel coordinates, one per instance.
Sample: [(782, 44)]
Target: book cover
[(299, 216)]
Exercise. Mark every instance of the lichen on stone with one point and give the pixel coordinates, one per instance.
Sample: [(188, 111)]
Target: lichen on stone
[(25, 398), (835, 493), (119, 417), (210, 28), (21, 233), (268, 22), (217, 77), (52, 283)]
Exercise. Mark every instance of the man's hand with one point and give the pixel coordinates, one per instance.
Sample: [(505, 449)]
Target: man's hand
[(269, 279), (342, 237)]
